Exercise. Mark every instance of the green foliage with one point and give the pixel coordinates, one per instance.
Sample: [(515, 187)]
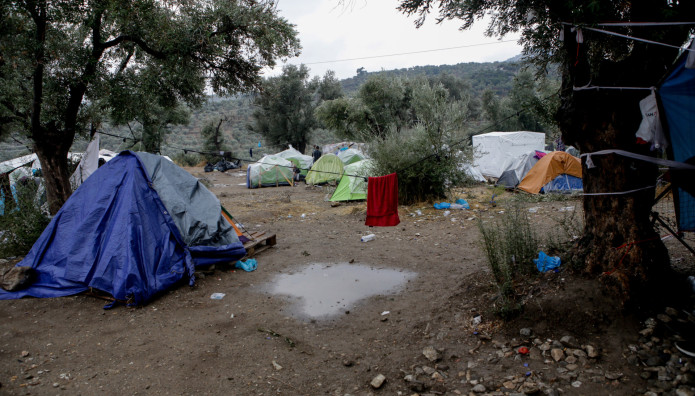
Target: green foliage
[(510, 245), (214, 141), (187, 159), (23, 221), (284, 109), (67, 65)]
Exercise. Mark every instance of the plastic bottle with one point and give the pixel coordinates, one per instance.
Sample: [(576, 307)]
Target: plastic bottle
[(368, 238)]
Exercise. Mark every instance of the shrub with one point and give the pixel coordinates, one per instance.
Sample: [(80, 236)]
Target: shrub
[(185, 159), (425, 172), (510, 245), (23, 220)]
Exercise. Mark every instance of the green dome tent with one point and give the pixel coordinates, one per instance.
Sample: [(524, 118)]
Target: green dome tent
[(350, 156), (269, 171), (351, 186), (301, 161), (328, 168)]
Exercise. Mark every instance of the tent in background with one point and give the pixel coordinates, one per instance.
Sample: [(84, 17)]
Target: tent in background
[(349, 156), (516, 169), (301, 161), (328, 168), (270, 171), (493, 150), (353, 186), (143, 224), (557, 171)]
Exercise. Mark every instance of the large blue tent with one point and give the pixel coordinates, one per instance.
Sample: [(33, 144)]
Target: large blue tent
[(134, 228), (677, 95)]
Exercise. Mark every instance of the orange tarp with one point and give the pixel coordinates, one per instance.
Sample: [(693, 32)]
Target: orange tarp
[(548, 168)]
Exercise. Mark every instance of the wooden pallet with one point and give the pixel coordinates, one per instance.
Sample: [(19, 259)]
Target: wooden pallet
[(259, 241)]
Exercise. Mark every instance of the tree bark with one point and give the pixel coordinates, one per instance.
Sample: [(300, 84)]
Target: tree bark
[(619, 244), (52, 150)]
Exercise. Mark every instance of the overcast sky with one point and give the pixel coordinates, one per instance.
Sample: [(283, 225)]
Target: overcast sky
[(330, 32)]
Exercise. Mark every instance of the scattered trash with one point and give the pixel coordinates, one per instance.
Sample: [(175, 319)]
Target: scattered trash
[(534, 209), (248, 266), (442, 205), (567, 209), (545, 263), (303, 215), (277, 366), (419, 212), (523, 350), (477, 319), (231, 317), (368, 238), (446, 213), (217, 296), (385, 313), (463, 203)]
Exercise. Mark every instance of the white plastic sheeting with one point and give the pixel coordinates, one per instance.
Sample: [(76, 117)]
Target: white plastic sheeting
[(493, 150)]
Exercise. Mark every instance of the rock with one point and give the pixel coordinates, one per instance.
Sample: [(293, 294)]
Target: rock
[(510, 385), (417, 386), (480, 388), (571, 359), (654, 361), (557, 354), (647, 331), (650, 322), (576, 384), (591, 351), (664, 318), (645, 375), (552, 392), (525, 332), (437, 376), (544, 347), (613, 375), (378, 381), (431, 354), (348, 363), (55, 384), (685, 391), (579, 353), (569, 341), (571, 367), (671, 311), (17, 278), (276, 365), (25, 353), (428, 370)]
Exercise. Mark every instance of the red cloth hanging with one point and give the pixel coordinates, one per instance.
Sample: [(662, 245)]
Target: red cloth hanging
[(382, 201)]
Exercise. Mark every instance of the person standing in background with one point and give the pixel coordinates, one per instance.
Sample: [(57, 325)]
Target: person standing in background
[(316, 154), (251, 152)]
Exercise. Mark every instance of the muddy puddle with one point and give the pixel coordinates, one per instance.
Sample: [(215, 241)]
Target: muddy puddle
[(320, 291)]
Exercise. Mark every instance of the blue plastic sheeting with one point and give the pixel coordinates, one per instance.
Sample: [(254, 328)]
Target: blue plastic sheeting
[(677, 95), (115, 235), (564, 184)]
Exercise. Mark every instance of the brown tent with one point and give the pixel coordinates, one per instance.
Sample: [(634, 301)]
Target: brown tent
[(548, 168)]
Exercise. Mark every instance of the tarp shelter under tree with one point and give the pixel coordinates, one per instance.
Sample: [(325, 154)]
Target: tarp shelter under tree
[(136, 227), (493, 150)]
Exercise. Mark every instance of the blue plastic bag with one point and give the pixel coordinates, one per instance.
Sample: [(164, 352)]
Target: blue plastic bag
[(247, 266), (545, 263), (442, 205), (463, 203)]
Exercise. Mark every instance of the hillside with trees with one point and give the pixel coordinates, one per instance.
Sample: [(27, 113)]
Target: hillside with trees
[(495, 78)]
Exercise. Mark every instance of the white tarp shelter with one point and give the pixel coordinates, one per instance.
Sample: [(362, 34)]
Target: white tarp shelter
[(493, 150)]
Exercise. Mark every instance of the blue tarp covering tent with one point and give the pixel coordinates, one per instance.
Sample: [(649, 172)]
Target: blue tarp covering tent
[(134, 228), (564, 184), (677, 94)]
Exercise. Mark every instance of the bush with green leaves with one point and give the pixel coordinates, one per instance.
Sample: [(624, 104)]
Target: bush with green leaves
[(187, 159), (510, 244), (23, 220)]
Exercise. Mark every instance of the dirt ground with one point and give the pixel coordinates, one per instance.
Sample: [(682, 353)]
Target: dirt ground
[(251, 342)]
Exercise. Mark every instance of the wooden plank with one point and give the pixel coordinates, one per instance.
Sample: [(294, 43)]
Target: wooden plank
[(259, 243)]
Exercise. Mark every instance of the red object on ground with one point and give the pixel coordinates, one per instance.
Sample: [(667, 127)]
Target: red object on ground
[(523, 350), (382, 201)]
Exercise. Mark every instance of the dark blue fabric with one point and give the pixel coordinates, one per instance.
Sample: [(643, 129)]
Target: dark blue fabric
[(115, 235), (677, 95), (564, 184)]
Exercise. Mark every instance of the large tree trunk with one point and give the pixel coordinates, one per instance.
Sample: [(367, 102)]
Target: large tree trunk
[(53, 154), (619, 243)]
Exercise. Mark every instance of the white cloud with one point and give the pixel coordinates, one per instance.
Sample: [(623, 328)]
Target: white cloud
[(329, 31)]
